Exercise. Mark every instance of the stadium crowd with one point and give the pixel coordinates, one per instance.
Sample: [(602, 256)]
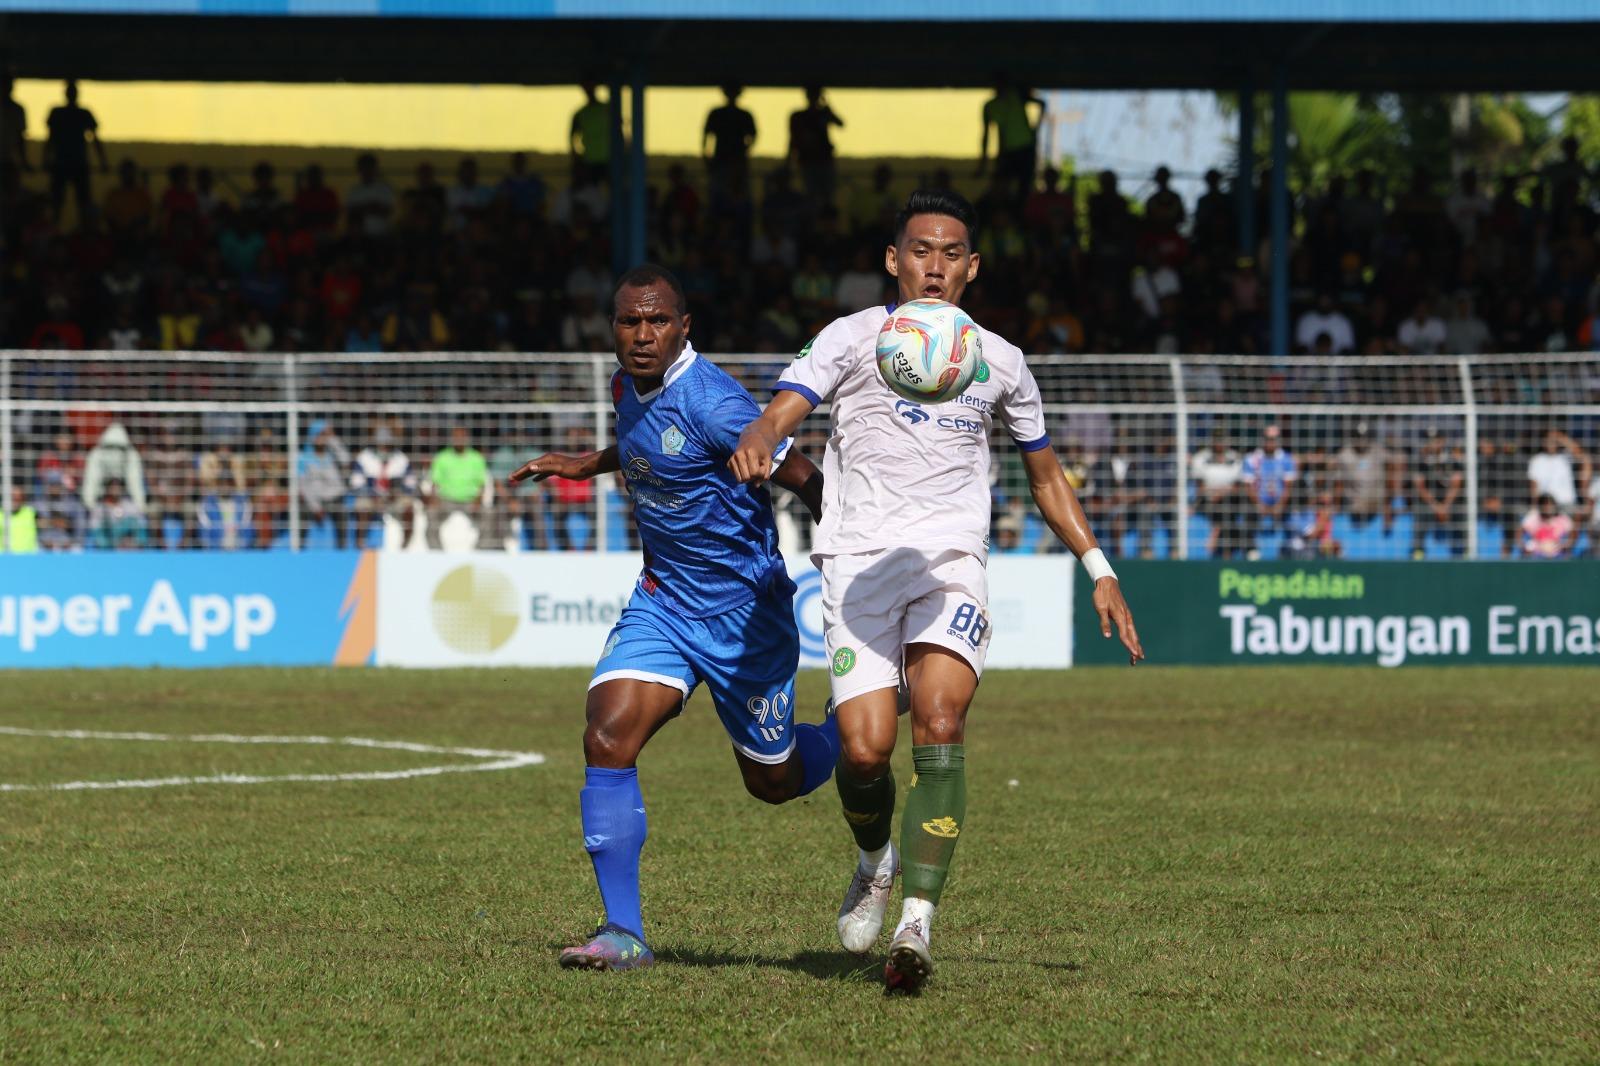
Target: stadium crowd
[(508, 261)]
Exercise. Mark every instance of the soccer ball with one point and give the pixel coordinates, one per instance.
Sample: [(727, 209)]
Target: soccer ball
[(929, 351)]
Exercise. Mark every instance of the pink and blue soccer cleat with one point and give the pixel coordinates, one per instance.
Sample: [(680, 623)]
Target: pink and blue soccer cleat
[(611, 948)]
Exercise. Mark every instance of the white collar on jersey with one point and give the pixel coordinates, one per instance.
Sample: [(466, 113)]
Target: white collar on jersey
[(674, 372)]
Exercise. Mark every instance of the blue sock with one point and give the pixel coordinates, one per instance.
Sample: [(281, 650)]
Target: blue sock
[(818, 748), (614, 830)]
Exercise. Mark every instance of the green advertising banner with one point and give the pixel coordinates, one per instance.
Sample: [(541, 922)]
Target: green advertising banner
[(1388, 613)]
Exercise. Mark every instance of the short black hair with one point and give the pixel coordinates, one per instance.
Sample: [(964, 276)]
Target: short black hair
[(945, 202), (647, 274)]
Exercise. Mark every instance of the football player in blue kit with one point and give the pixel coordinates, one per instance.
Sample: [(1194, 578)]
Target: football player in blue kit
[(714, 602)]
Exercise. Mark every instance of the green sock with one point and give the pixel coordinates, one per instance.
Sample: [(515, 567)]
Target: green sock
[(868, 807), (936, 808)]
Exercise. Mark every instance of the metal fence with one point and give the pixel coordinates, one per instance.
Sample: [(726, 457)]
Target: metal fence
[(1186, 457)]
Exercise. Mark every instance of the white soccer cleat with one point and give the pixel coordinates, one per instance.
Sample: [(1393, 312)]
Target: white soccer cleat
[(910, 961), (866, 901)]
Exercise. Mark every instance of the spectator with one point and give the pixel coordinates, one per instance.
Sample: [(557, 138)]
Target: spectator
[(1592, 510), (1220, 495), (580, 205), (61, 517), (1467, 207), (207, 202), (114, 458), (1122, 498), (66, 153), (811, 146), (585, 329), (116, 521), (590, 138), (256, 333), (1325, 318), (1361, 214), (267, 470), (860, 286), (384, 485), (1547, 531), (1163, 211), (1153, 283), (1315, 539), (323, 466), (169, 467), (590, 277), (363, 335), (774, 246), (128, 208), (522, 503), (178, 200), (459, 481), (521, 191), (1502, 488), (1567, 173), (1423, 333), (60, 461), (812, 289), (416, 327), (19, 529), (1435, 496), (369, 205), (179, 324), (1366, 482), (262, 201), (1050, 208), (59, 330), (1214, 223), (424, 205), (340, 293), (1464, 332), (1271, 472), (467, 201), (315, 205), (570, 498), (726, 142), (1016, 138), (224, 520), (241, 245), (124, 333), (872, 207), (1558, 470), (13, 130)]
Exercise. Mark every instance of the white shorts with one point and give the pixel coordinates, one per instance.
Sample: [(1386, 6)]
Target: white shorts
[(875, 603)]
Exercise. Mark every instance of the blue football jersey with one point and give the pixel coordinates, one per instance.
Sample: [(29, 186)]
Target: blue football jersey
[(710, 543)]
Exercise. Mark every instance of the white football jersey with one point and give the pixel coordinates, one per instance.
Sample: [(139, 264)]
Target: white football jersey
[(898, 473)]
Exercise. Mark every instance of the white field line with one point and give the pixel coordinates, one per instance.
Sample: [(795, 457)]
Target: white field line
[(489, 759)]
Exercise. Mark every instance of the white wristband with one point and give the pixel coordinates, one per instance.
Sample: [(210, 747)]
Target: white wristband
[(1094, 561)]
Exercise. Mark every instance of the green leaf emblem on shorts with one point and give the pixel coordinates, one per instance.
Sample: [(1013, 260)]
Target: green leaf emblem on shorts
[(843, 661)]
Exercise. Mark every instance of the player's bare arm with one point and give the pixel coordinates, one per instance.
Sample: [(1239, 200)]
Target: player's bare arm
[(800, 475), (1064, 515), (571, 467), (751, 461)]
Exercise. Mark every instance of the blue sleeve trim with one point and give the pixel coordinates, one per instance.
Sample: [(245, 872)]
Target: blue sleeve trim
[(790, 386), (1034, 445)]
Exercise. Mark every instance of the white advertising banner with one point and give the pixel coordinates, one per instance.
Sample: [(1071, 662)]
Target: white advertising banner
[(494, 609), (556, 608)]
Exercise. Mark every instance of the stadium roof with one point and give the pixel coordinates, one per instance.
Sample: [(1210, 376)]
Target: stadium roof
[(1534, 52), (965, 11)]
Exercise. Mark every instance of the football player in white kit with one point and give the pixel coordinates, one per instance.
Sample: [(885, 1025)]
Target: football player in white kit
[(902, 549)]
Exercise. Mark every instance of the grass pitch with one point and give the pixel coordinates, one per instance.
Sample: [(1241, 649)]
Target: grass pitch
[(1159, 864)]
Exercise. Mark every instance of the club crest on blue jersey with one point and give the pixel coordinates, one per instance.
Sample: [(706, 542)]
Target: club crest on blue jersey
[(672, 440)]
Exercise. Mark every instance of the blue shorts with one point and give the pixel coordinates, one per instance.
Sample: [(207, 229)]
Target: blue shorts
[(746, 657)]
